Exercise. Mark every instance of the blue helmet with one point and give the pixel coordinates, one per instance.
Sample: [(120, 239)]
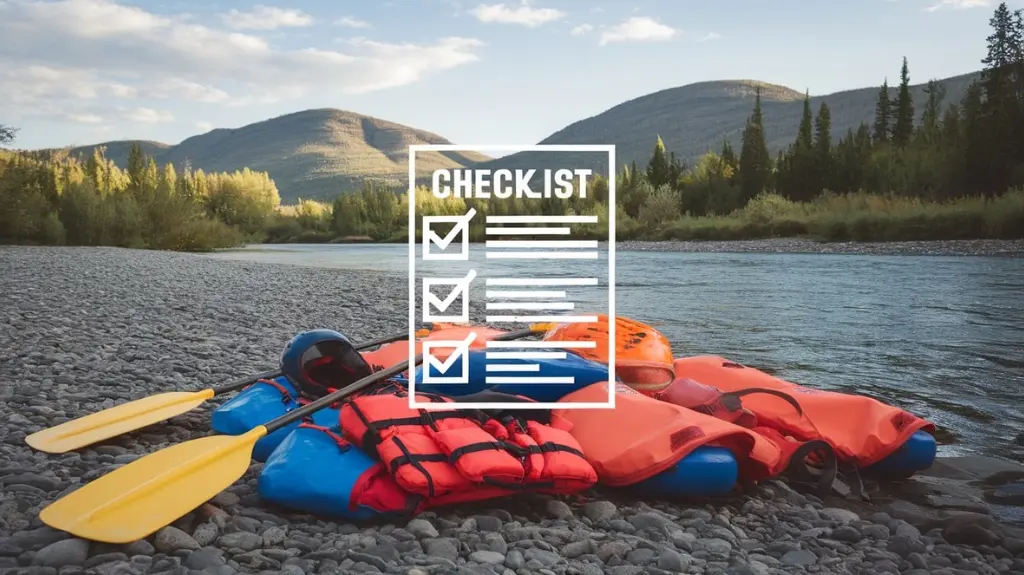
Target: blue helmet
[(320, 361)]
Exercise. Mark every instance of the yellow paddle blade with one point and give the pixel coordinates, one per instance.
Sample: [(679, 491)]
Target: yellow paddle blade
[(119, 419), (136, 500)]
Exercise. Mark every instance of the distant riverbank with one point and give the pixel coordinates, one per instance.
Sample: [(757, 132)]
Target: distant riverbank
[(1001, 248), (990, 248)]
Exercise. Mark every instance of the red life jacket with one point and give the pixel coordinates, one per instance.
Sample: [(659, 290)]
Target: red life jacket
[(456, 455)]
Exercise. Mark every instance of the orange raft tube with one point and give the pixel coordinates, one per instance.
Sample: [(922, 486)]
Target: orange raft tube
[(862, 431)]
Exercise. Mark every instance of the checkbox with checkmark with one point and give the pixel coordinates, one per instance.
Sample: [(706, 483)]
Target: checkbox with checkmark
[(430, 237), (460, 288), (444, 365)]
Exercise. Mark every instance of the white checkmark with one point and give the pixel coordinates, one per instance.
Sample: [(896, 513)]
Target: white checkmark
[(460, 348), (460, 286), (431, 237)]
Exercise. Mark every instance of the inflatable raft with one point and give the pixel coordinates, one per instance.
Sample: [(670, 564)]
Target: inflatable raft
[(887, 442)]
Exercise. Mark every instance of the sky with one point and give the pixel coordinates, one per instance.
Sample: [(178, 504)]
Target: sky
[(76, 72)]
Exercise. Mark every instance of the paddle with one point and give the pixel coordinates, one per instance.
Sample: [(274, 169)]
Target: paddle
[(140, 413), (149, 493)]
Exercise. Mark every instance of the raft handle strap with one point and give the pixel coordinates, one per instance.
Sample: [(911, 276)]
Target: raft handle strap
[(286, 397), (780, 394), (343, 444), (800, 471)]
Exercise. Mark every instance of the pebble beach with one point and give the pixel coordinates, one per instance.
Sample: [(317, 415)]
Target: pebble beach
[(83, 329)]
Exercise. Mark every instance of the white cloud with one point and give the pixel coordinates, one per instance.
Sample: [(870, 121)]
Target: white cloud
[(709, 36), (96, 56), (204, 126), (85, 118), (148, 116), (523, 15), (958, 5), (637, 29), (187, 90), (350, 22), (266, 18), (581, 29)]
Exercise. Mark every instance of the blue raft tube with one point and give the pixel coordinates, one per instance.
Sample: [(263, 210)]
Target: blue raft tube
[(261, 402)]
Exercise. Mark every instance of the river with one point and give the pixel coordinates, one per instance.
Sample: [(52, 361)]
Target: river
[(940, 336)]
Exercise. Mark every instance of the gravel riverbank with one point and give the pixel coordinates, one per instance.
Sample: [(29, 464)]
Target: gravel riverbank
[(82, 329)]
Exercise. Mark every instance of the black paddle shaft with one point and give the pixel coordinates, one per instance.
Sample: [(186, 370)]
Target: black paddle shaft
[(251, 379), (309, 408)]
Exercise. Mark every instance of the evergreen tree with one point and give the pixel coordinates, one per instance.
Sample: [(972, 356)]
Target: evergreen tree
[(823, 167), (903, 128), (136, 168), (930, 120), (882, 115), (755, 163), (804, 139), (1003, 107), (659, 169)]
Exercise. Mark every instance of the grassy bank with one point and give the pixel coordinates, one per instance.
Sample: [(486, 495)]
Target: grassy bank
[(855, 217), (860, 217)]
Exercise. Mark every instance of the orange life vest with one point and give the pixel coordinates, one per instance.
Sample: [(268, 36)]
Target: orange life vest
[(457, 455), (861, 430), (394, 353)]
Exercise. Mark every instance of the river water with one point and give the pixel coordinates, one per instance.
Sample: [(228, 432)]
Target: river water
[(940, 336)]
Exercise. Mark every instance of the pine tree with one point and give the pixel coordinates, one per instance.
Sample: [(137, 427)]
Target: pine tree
[(804, 139), (882, 115), (1002, 110), (755, 163), (659, 169), (136, 167), (903, 128), (930, 120), (822, 150), (729, 156)]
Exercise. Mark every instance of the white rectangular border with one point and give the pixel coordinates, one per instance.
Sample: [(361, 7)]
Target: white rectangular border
[(612, 207)]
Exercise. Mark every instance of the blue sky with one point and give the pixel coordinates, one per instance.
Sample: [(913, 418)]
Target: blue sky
[(76, 72)]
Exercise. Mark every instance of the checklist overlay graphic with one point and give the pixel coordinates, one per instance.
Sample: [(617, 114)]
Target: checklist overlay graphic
[(511, 249)]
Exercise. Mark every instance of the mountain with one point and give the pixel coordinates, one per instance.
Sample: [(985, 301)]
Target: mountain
[(314, 154), (695, 118)]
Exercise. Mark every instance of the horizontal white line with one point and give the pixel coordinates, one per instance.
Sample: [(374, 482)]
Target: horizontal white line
[(527, 231), (534, 305), (525, 355), (499, 380), (542, 281), (542, 255), (541, 318), (513, 367), (544, 344), (542, 243), (510, 405), (538, 294), (605, 148), (542, 219)]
